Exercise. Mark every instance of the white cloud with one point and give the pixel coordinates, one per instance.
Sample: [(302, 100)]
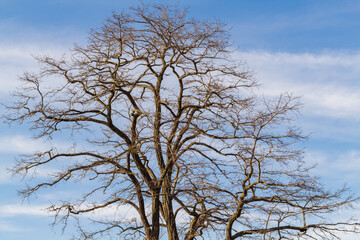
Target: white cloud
[(349, 162), (17, 59), (12, 210), (124, 211), (25, 144), (341, 167), (21, 144), (17, 50), (17, 210), (328, 82)]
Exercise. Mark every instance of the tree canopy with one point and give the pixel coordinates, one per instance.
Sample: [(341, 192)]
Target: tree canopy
[(167, 125)]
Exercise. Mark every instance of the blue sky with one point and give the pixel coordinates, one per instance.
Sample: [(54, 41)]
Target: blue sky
[(310, 48)]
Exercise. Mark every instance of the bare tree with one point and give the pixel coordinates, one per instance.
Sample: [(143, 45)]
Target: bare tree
[(167, 125)]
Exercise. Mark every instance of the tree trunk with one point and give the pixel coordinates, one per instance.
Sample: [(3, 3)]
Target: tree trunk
[(155, 231), (168, 209)]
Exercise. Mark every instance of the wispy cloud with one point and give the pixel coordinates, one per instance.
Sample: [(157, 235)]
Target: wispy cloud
[(9, 211), (337, 167), (15, 60), (18, 46), (24, 144), (328, 82), (21, 144), (12, 210)]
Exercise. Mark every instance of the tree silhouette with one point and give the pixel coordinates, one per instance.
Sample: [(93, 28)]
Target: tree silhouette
[(167, 124)]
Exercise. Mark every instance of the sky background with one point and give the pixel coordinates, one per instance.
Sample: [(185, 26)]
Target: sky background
[(305, 47)]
